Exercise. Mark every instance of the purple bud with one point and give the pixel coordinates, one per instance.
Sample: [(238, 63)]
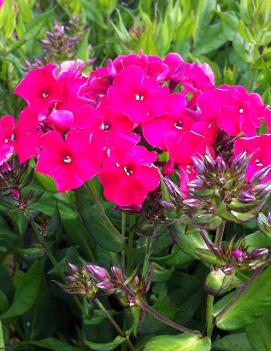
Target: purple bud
[(72, 268), (117, 273), (246, 197), (238, 255), (97, 272), (15, 193), (198, 164), (228, 270), (193, 203), (261, 175), (220, 164), (167, 205), (269, 217), (262, 190), (105, 286), (258, 253), (197, 184)]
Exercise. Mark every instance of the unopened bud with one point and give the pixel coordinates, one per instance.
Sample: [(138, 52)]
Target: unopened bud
[(220, 164), (15, 193), (106, 286), (260, 175), (72, 268), (192, 203), (117, 273), (259, 253), (238, 255), (246, 197), (97, 272), (214, 282), (229, 270)]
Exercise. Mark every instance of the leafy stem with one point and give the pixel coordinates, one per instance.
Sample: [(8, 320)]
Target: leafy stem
[(114, 324), (147, 308)]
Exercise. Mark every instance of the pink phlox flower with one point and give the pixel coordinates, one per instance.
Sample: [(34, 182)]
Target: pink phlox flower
[(39, 88), (235, 110), (128, 173), (182, 147), (137, 96), (187, 174), (259, 147), (6, 137), (153, 66), (71, 161), (108, 124), (27, 133)]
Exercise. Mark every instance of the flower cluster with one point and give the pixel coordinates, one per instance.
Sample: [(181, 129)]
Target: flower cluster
[(131, 122)]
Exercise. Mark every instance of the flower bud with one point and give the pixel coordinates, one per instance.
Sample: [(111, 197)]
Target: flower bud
[(97, 272), (260, 175), (238, 255), (192, 203), (259, 253), (220, 164), (106, 286), (117, 273), (246, 197), (228, 270), (15, 193), (72, 268), (214, 282)]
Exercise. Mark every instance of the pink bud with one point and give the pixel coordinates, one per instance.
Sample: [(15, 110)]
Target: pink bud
[(15, 193), (238, 255), (72, 268), (61, 119), (105, 286), (97, 272)]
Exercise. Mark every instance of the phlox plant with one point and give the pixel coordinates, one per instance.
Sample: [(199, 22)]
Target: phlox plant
[(161, 166)]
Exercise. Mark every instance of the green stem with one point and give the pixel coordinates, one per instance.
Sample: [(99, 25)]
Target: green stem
[(51, 256), (209, 315), (93, 195), (145, 307), (219, 234), (130, 258), (147, 256), (123, 232), (114, 323)]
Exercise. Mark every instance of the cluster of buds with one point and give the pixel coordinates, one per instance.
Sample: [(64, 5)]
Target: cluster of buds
[(79, 282), (234, 257), (90, 278), (14, 177), (221, 190)]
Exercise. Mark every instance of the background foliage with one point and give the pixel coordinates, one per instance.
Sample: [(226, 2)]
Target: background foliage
[(234, 38)]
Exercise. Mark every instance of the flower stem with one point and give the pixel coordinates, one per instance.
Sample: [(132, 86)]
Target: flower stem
[(219, 234), (130, 258), (114, 323), (145, 307), (101, 209), (123, 232), (209, 315)]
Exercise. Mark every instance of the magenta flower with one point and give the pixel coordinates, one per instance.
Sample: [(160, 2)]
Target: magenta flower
[(235, 110), (136, 95), (259, 148), (70, 162), (184, 146), (27, 134), (175, 122), (6, 137), (153, 66), (128, 174), (39, 88)]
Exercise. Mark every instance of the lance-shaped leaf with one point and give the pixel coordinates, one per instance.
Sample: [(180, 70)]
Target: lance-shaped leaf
[(250, 304), (183, 342)]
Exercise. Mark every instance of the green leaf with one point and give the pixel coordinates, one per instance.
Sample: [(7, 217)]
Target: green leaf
[(2, 341), (72, 7), (259, 333), (54, 224), (183, 342), (205, 11), (107, 346), (54, 344), (234, 342), (46, 182), (213, 39), (252, 303), (27, 290), (97, 223), (7, 19)]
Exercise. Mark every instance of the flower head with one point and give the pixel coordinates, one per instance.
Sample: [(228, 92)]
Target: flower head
[(137, 95), (128, 173), (70, 162), (6, 137)]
